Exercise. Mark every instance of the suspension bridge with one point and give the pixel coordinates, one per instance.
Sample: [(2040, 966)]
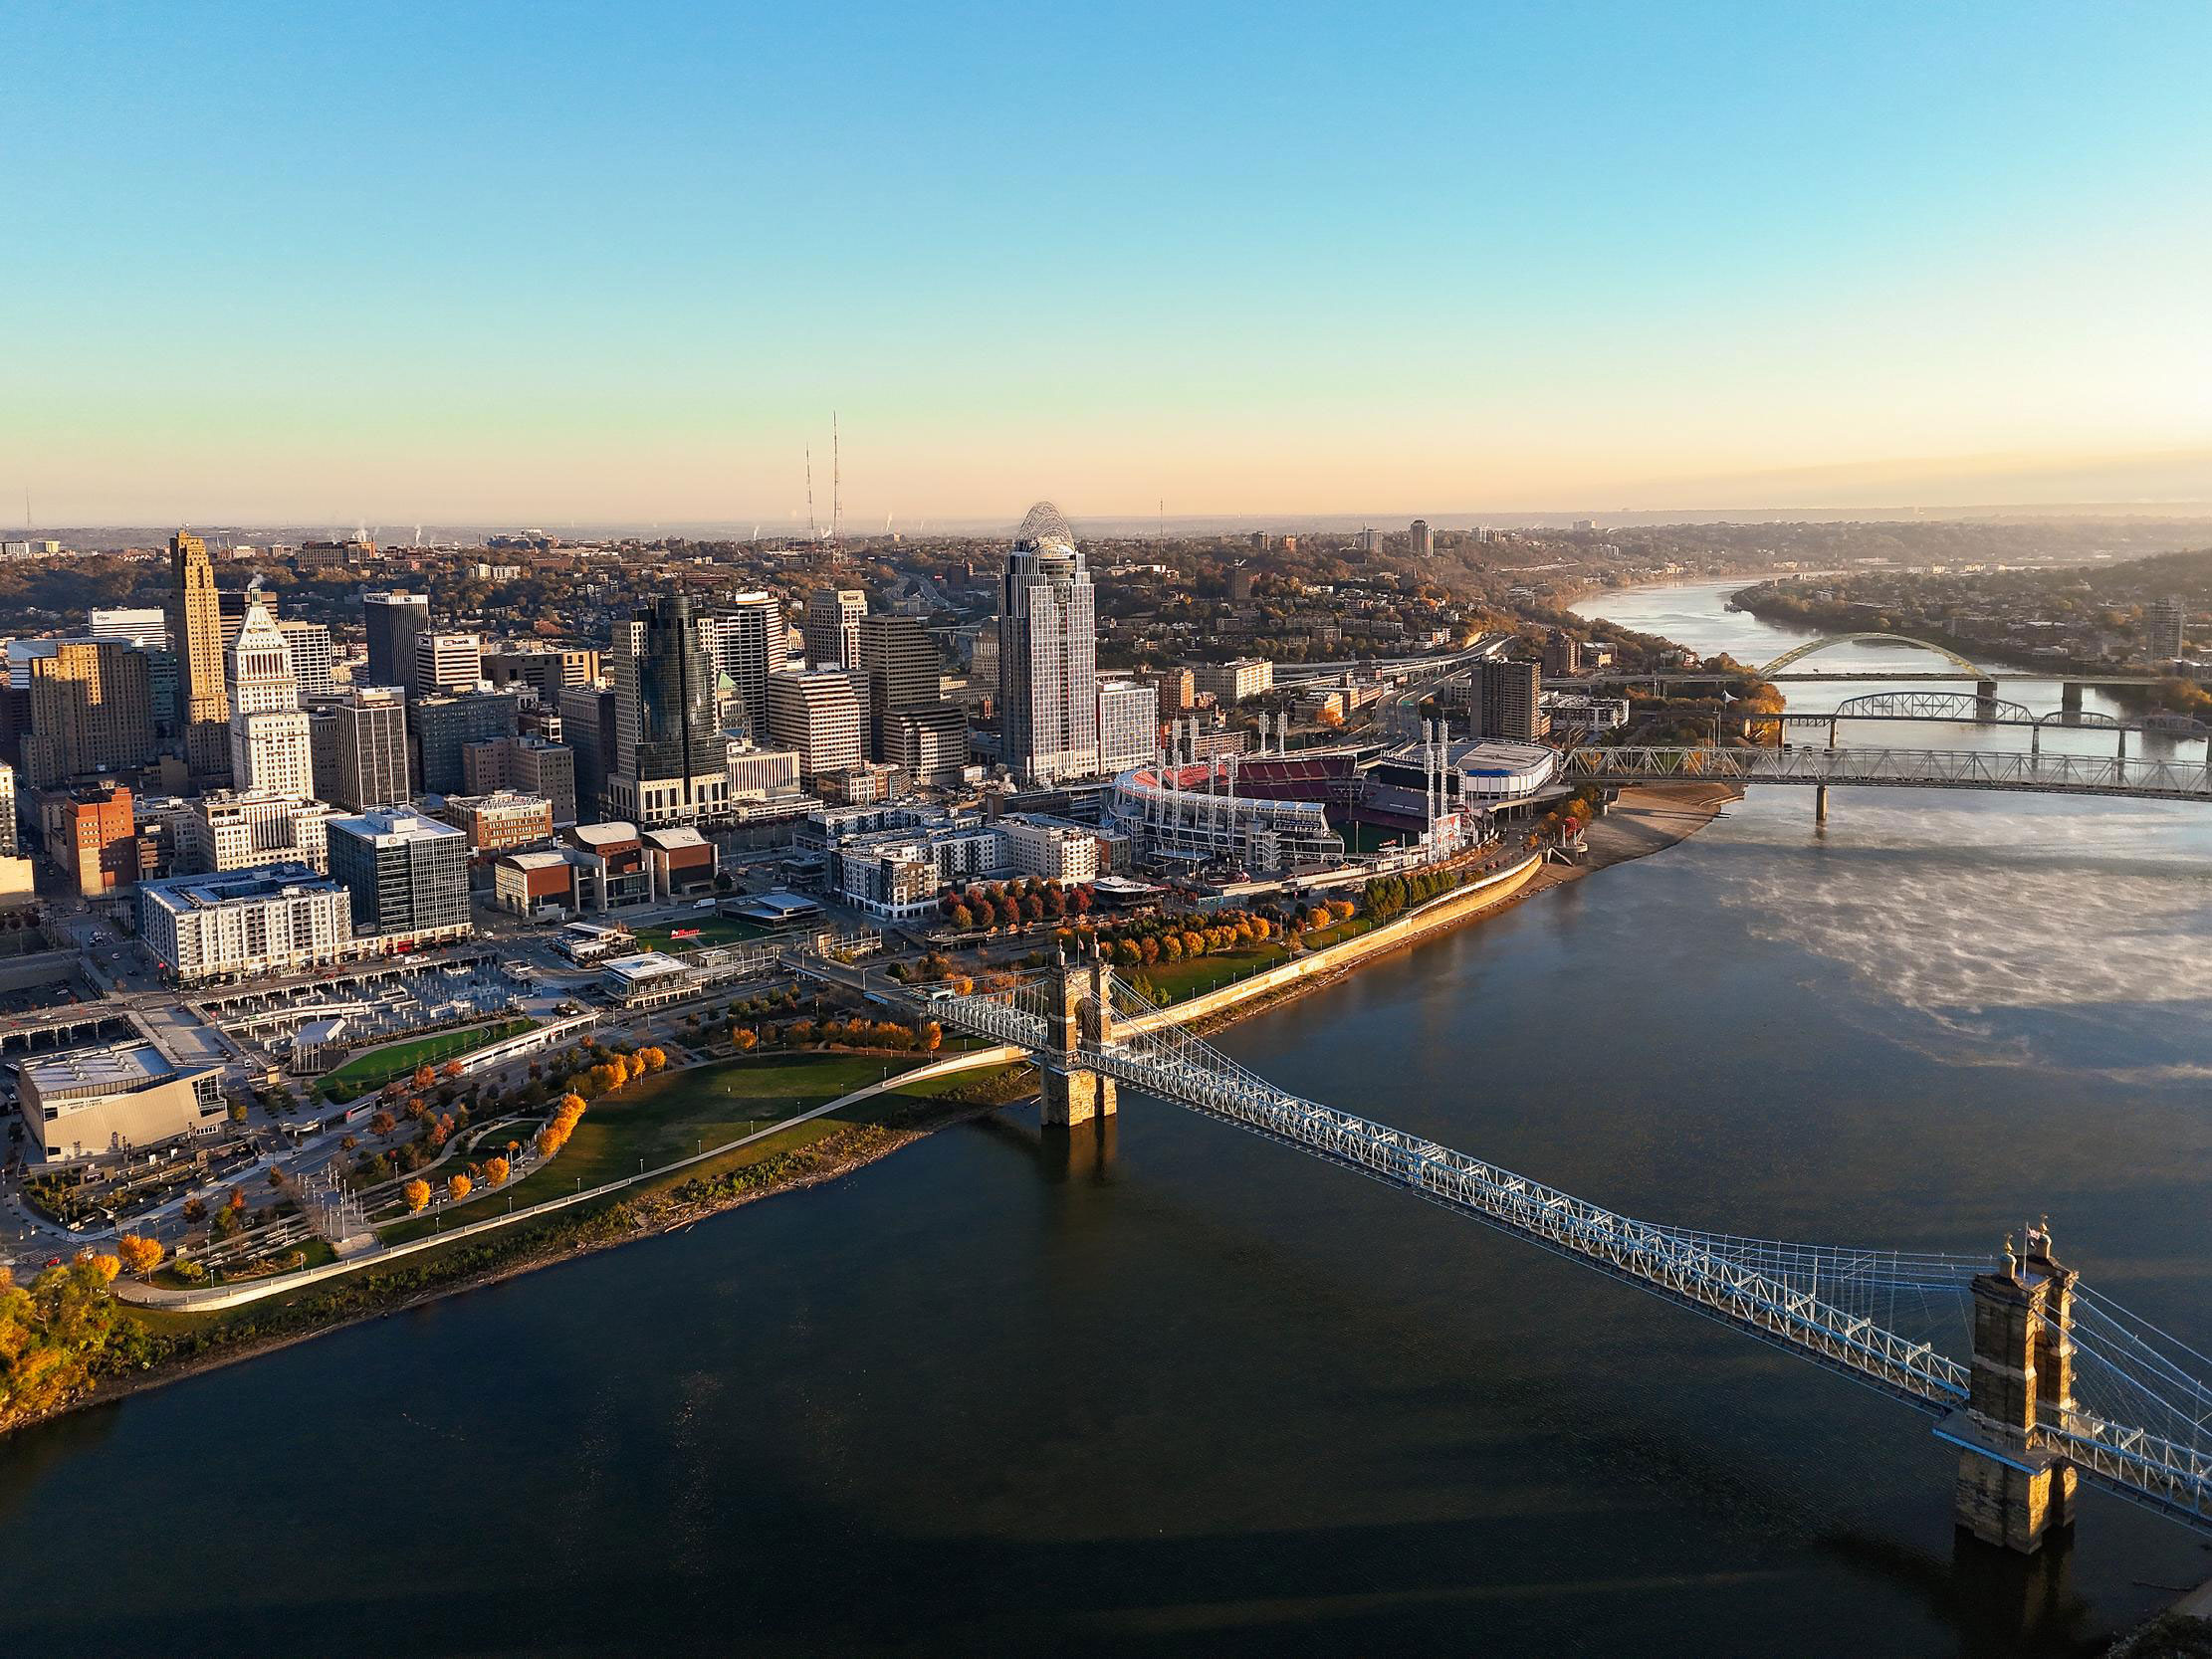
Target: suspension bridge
[(2038, 1380)]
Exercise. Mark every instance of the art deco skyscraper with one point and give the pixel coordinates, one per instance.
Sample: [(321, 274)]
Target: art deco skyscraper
[(270, 749), (196, 635), (1047, 654)]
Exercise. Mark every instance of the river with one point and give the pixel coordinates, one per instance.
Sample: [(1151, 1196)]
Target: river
[(1213, 1396)]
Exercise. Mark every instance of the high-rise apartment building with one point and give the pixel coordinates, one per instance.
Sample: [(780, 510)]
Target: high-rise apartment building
[(668, 749), (2164, 621), (1424, 539), (1047, 654), (270, 753), (314, 663), (359, 747), (1506, 701), (832, 627), (750, 645), (1128, 725), (90, 707), (408, 875), (816, 714), (196, 636), (392, 620), (1237, 680)]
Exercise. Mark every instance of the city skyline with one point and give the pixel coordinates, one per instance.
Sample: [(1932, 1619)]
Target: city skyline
[(1515, 262)]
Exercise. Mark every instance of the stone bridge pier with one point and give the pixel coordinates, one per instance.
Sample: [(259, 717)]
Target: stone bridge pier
[(1082, 1009), (2023, 1373)]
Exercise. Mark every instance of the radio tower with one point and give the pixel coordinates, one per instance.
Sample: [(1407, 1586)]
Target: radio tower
[(836, 491), (813, 536)]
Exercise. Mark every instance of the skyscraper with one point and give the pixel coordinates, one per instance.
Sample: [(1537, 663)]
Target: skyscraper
[(361, 747), (832, 627), (269, 748), (750, 645), (587, 727), (91, 710), (407, 874), (1047, 654), (392, 620), (1425, 541), (314, 663), (2163, 624), (817, 714), (668, 751), (196, 635), (446, 663), (902, 669), (1506, 701)]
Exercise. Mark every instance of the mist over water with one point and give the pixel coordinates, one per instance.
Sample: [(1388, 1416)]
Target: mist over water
[(1204, 1395)]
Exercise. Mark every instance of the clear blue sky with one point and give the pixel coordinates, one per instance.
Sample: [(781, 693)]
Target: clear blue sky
[(552, 262)]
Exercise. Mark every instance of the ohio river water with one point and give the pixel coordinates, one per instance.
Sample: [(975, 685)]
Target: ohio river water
[(1221, 1398)]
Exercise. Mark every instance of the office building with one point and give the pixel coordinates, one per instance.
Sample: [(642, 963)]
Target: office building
[(529, 765), (1506, 701), (1047, 654), (1128, 725), (242, 923), (587, 729), (92, 832), (9, 841), (234, 604), (1238, 681), (832, 627), (815, 714), (1424, 539), (358, 744), (667, 765), (2164, 621), (90, 1103), (353, 553), (548, 672), (610, 864), (442, 726), (90, 707), (408, 876), (750, 645), (270, 750), (903, 671), (758, 774), (446, 664), (196, 636), (393, 620), (313, 661), (236, 830), (148, 628), (501, 821), (1176, 688), (1562, 653), (929, 744)]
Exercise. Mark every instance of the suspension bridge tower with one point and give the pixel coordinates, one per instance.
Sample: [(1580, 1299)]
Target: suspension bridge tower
[(2009, 1492), (1082, 1009)]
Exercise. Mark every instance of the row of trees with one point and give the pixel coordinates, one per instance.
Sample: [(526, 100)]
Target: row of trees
[(985, 905)]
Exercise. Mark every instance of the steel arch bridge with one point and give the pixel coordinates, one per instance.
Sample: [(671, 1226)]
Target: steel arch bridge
[(1810, 647), (2129, 1412)]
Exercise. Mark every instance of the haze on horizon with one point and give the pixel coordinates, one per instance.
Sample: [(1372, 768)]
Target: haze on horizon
[(563, 264)]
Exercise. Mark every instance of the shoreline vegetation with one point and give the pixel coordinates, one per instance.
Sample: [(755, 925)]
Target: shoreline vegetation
[(152, 1347)]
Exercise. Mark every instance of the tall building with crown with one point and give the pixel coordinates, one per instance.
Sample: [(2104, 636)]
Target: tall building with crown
[(270, 749), (196, 636)]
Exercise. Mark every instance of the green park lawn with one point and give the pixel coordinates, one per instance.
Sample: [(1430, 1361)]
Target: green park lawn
[(713, 929), (378, 1066), (662, 1118)]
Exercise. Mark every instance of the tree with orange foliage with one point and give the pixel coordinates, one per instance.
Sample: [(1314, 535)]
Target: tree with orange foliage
[(495, 1172), (450, 1069), (417, 1195), (655, 1057), (140, 1255), (424, 1076), (458, 1188), (104, 1265)]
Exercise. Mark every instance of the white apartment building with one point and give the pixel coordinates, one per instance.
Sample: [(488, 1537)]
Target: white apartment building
[(240, 829), (277, 919), (1234, 682), (1049, 848), (1128, 725)]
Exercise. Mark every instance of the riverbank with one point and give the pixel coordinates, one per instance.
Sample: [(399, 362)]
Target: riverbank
[(186, 1343)]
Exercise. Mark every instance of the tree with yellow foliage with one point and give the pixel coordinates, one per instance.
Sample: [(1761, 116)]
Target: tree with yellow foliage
[(417, 1195), (495, 1171), (103, 1265), (140, 1255), (458, 1188)]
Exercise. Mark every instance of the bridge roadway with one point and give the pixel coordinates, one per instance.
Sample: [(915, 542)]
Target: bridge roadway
[(1815, 1302), (1904, 768)]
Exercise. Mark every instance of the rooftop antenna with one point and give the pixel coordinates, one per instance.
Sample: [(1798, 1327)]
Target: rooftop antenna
[(1163, 520), (813, 533)]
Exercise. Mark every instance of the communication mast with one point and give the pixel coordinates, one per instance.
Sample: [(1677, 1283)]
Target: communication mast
[(813, 533), (836, 491)]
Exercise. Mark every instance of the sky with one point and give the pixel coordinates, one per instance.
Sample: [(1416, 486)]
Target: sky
[(545, 264)]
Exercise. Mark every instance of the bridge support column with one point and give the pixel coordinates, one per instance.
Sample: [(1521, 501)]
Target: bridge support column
[(2009, 1492), (1071, 1091), (1820, 804), (1985, 700), (2070, 697)]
